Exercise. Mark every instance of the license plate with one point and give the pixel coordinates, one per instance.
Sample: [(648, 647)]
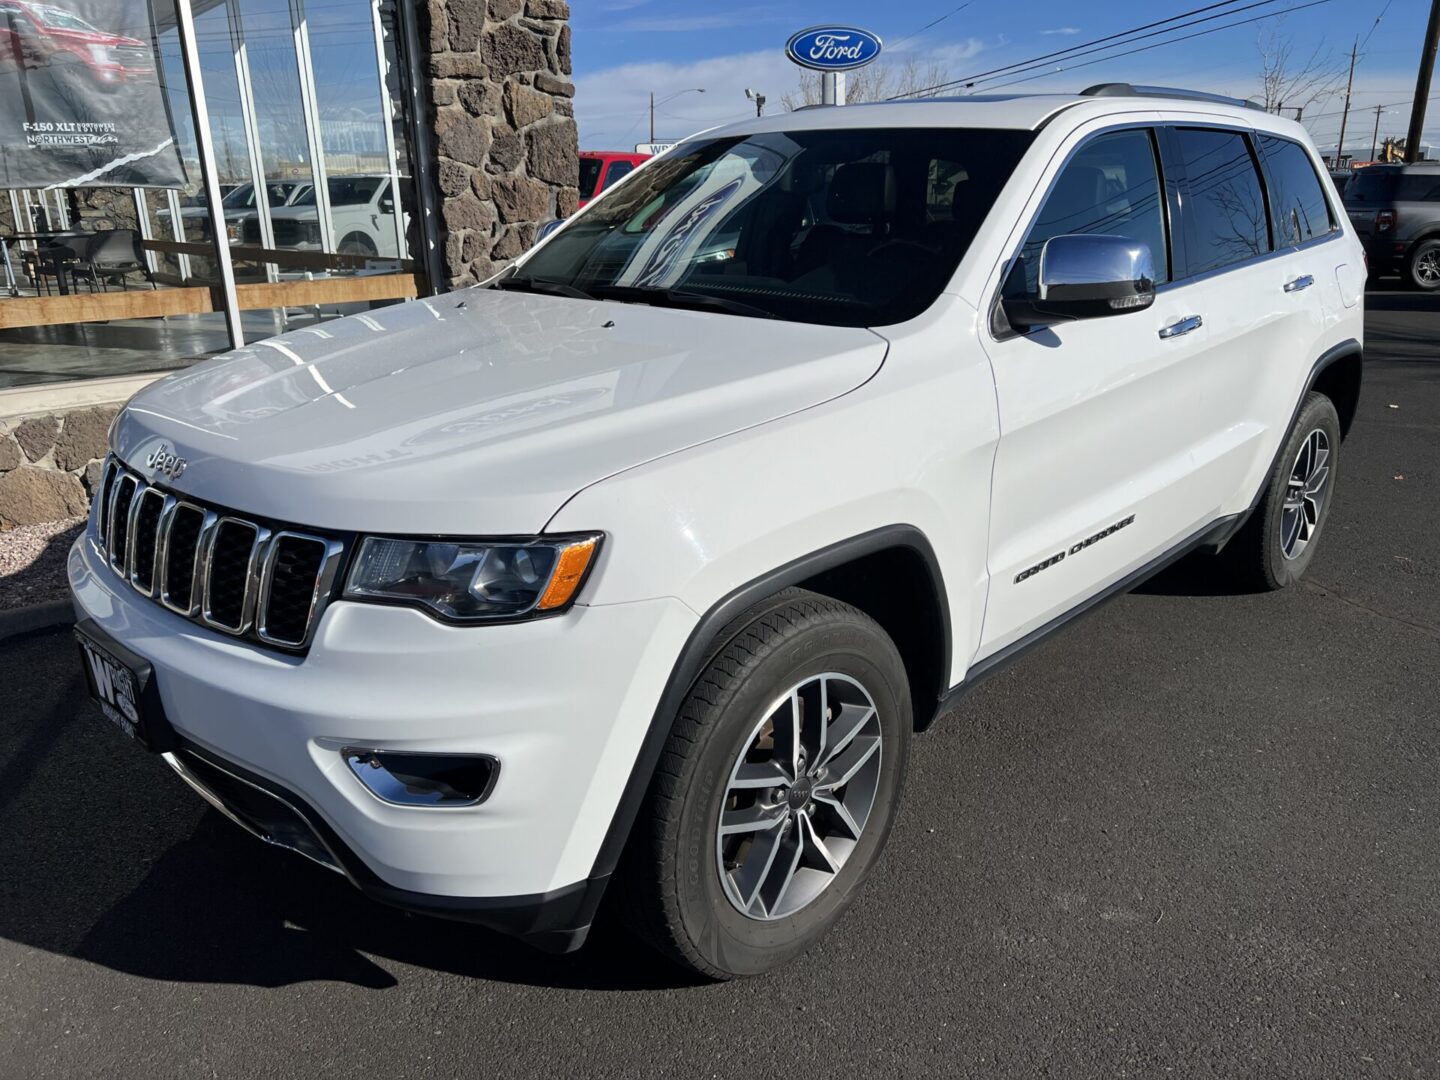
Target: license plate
[(121, 684)]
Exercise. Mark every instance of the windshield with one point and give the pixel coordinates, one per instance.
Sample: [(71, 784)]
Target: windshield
[(843, 227), (589, 176), (345, 191), (61, 19), (242, 196)]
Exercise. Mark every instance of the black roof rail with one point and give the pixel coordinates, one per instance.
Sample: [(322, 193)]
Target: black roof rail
[(1120, 89)]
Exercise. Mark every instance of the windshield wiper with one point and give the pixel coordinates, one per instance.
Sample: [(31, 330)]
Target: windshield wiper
[(542, 285), (679, 298)]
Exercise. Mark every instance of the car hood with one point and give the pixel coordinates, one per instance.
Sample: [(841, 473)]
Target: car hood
[(297, 212), (479, 412)]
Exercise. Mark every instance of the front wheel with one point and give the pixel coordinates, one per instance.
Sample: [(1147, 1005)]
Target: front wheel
[(1278, 542), (776, 791)]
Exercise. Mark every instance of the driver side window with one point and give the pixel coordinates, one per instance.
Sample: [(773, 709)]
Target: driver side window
[(1111, 187)]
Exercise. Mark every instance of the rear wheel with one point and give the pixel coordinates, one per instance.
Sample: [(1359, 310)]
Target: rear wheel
[(776, 791), (1425, 265), (1278, 542)]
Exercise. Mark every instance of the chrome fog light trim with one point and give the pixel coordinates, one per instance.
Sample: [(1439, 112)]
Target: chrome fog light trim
[(423, 779)]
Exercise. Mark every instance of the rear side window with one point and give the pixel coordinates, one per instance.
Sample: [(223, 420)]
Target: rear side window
[(617, 170), (1111, 186), (1224, 207), (1419, 187), (1297, 200)]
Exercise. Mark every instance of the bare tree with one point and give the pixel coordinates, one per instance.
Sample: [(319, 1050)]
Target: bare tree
[(874, 82), (1295, 83)]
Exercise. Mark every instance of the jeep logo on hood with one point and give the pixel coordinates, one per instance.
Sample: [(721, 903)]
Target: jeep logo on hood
[(165, 462)]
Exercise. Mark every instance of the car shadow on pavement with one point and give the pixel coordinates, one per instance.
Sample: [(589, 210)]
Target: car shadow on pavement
[(109, 858), (1194, 575)]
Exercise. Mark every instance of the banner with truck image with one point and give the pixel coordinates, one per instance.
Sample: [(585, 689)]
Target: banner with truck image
[(82, 102)]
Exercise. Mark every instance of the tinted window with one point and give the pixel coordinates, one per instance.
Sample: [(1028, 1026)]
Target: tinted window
[(1224, 207), (617, 170), (1419, 187), (1111, 186), (1372, 186), (589, 176), (1297, 201), (834, 226)]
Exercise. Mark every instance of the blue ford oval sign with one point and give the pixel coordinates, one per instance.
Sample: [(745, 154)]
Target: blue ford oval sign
[(833, 48)]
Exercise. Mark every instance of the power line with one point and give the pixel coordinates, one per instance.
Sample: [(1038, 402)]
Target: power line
[(932, 23), (1376, 24), (1074, 49), (1160, 44)]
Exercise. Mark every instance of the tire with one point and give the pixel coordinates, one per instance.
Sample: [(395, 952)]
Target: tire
[(1423, 269), (357, 244), (673, 892), (1275, 546)]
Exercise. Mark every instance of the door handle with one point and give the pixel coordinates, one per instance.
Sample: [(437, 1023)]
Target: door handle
[(1302, 282), (1184, 326)]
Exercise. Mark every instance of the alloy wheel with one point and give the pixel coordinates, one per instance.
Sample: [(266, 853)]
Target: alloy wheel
[(799, 796), (1427, 268), (1305, 494)]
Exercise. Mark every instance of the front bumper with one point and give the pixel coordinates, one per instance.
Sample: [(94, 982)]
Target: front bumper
[(563, 703)]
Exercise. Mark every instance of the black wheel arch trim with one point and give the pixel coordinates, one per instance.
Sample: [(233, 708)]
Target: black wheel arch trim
[(1333, 355), (709, 637)]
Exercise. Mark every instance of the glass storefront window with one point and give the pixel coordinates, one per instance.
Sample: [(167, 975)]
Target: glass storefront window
[(310, 153)]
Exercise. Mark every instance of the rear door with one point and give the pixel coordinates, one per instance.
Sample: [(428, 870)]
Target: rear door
[(1265, 286)]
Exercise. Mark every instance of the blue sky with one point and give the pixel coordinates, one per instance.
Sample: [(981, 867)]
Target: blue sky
[(626, 48)]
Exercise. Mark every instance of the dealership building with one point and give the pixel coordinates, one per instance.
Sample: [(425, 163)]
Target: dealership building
[(184, 177)]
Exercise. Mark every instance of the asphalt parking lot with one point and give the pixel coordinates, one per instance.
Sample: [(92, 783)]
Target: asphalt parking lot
[(1196, 835)]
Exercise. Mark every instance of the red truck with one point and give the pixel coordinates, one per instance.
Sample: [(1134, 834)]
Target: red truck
[(599, 168), (36, 36)]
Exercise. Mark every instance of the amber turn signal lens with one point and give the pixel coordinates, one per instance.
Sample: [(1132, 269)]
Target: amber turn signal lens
[(569, 573)]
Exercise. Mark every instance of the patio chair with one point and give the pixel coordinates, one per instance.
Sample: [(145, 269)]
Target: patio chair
[(113, 255)]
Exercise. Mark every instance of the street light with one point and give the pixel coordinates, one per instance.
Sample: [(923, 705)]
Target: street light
[(672, 97), (759, 100)]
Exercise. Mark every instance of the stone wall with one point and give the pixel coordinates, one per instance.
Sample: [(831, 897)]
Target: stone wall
[(50, 465), (504, 126), (91, 209)]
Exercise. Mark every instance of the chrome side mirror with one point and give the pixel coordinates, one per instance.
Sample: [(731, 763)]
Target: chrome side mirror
[(1087, 276)]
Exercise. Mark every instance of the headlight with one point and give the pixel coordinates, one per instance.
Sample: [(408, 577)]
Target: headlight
[(100, 53), (465, 580)]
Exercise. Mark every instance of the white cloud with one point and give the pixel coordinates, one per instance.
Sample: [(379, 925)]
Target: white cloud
[(611, 106), (1063, 31)]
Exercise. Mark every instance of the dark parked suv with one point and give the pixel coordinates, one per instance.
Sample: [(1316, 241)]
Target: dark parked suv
[(1396, 211)]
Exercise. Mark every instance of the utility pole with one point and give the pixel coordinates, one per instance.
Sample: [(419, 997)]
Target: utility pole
[(1340, 142), (1375, 139), (1422, 84), (652, 116)]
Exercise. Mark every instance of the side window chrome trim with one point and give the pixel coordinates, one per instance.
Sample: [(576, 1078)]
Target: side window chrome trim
[(1230, 268)]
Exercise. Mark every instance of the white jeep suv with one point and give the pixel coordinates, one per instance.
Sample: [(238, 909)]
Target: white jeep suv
[(644, 560)]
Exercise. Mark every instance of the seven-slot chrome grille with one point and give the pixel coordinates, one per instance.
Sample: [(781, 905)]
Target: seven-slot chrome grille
[(222, 570)]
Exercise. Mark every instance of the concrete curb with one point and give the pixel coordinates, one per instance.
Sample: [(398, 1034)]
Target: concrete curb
[(35, 617)]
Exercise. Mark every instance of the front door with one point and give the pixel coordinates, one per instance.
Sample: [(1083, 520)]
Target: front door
[(1099, 419)]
